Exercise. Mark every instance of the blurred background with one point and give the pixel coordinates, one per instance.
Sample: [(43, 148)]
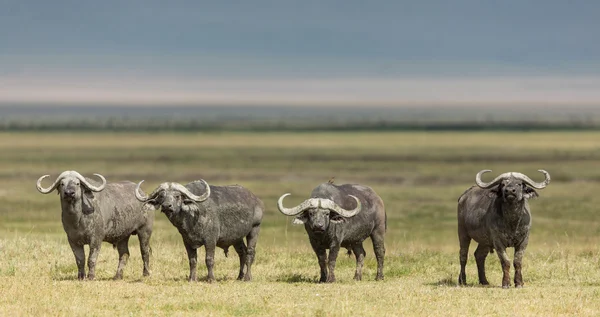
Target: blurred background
[(139, 65)]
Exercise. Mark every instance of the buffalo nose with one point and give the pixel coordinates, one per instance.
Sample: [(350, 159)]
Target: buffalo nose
[(70, 193)]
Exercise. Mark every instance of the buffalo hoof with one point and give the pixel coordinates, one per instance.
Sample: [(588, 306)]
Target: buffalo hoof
[(357, 277), (81, 276), (91, 277), (379, 278), (118, 277), (505, 286), (519, 286), (247, 278), (146, 273), (484, 282)]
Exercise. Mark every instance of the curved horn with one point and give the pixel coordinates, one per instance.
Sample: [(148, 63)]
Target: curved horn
[(520, 176), (496, 180), (331, 205), (295, 210), (49, 189), (531, 183), (189, 194), (141, 196), (90, 186), (69, 173)]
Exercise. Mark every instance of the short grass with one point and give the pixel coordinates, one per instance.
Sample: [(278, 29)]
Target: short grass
[(418, 175)]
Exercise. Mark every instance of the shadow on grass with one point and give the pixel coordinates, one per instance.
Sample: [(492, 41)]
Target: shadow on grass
[(448, 281), (66, 278), (138, 280), (295, 278), (451, 281), (74, 278), (201, 279)]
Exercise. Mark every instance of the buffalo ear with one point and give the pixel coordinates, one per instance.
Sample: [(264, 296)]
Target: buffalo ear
[(335, 218), (150, 205), (529, 192), (190, 206), (495, 192), (300, 219), (87, 202)]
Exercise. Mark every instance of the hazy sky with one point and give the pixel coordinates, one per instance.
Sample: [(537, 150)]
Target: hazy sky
[(284, 52)]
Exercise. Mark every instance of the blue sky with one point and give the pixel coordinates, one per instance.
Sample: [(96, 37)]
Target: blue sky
[(277, 51)]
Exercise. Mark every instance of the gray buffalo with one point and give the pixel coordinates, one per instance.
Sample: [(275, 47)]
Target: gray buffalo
[(108, 212), (211, 216), (341, 216), (496, 215)]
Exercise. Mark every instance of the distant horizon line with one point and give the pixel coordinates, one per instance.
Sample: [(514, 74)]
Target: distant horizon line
[(350, 92)]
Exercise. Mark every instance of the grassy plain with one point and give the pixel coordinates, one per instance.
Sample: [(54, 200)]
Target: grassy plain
[(418, 175)]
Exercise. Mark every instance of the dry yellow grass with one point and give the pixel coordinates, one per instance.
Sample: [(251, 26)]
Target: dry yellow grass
[(419, 176)]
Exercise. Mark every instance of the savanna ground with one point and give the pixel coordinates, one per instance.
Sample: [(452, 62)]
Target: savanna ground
[(418, 175)]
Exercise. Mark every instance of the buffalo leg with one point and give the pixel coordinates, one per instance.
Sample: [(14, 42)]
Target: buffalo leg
[(251, 239), (505, 262), (519, 252), (242, 252), (123, 248), (464, 242), (210, 262), (193, 259), (144, 237), (359, 253), (79, 253), (333, 254), (480, 254), (379, 249), (93, 257), (322, 257)]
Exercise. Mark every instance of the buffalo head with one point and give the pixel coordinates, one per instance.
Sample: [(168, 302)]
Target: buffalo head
[(318, 212), (512, 186), (172, 197), (72, 187)]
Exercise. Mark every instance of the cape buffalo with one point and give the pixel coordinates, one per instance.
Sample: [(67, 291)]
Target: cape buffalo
[(92, 214), (497, 216), (211, 216), (341, 216)]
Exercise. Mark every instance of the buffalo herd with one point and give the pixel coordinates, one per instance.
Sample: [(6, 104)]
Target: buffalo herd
[(496, 215)]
